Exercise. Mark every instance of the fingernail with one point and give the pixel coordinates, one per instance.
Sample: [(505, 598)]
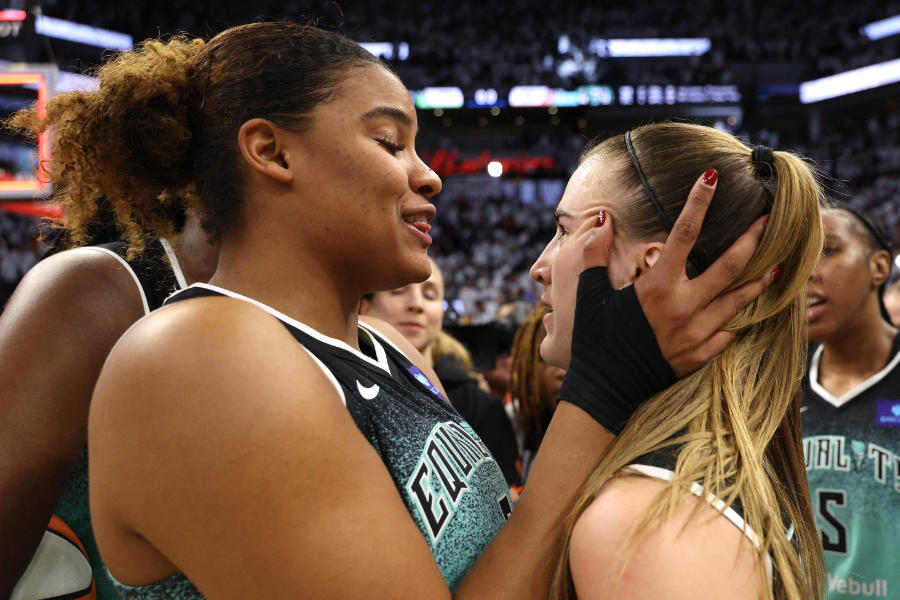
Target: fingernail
[(601, 218), (710, 177), (776, 273)]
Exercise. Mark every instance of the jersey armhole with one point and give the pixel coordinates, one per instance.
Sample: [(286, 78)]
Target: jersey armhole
[(716, 503), (328, 374), (131, 272)]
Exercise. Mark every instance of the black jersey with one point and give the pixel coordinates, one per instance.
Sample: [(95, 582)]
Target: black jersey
[(451, 485), (156, 272), (852, 449)]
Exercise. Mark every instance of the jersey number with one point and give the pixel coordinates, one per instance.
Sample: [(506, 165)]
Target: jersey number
[(826, 497)]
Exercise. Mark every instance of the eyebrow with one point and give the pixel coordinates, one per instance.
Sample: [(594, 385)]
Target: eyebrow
[(559, 214), (389, 111)]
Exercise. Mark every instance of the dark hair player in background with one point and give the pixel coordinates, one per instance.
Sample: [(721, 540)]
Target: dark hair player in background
[(851, 410)]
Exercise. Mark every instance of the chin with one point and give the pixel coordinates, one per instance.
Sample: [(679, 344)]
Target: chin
[(552, 355)]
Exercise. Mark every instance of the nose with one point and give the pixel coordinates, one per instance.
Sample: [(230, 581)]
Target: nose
[(816, 274), (540, 270), (424, 180), (415, 301)]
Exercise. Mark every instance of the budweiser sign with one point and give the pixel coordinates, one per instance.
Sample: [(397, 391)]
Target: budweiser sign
[(447, 162)]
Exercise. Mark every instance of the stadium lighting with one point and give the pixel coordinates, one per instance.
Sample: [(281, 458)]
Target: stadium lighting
[(439, 97), (10, 14), (495, 168), (644, 47), (850, 82), (82, 34), (881, 29), (387, 50)]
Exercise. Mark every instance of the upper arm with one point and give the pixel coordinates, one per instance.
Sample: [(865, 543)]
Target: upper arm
[(215, 438), (690, 556), (55, 333)]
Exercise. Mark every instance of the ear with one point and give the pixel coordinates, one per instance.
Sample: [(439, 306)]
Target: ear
[(262, 147), (652, 252), (630, 259), (880, 266), (364, 305)]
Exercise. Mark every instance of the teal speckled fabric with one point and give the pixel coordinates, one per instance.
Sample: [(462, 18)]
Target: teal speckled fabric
[(73, 508), (174, 587)]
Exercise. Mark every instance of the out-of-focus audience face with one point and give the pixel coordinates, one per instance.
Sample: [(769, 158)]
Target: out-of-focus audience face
[(892, 304), (551, 381), (415, 310)]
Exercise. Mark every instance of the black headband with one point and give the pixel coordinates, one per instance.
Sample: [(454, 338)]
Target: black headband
[(692, 258)]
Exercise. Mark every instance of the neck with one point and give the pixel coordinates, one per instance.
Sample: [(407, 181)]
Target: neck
[(302, 288), (196, 256), (429, 356), (861, 350)]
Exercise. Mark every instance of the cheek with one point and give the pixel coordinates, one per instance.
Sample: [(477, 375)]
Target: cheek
[(435, 314), (389, 309)]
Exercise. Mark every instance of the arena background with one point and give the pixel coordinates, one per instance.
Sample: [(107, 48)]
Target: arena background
[(508, 94)]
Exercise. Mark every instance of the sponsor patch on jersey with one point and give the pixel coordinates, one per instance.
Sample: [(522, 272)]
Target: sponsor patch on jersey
[(420, 377), (888, 413)]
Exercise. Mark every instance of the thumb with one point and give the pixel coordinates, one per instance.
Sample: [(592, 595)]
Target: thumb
[(599, 242)]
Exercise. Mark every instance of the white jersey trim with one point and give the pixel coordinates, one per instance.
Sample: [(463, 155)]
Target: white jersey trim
[(380, 361), (328, 374), (173, 261), (839, 401), (726, 511), (374, 333), (134, 276)]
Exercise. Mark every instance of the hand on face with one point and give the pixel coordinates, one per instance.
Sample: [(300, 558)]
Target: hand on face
[(686, 314)]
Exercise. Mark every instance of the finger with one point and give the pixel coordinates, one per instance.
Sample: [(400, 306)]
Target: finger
[(730, 264), (703, 353), (686, 229), (598, 244), (721, 310)]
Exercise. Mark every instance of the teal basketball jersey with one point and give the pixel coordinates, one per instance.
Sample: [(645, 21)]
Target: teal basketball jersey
[(852, 448)]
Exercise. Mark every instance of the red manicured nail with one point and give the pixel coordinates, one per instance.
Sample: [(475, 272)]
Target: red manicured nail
[(710, 177), (776, 273), (601, 218)]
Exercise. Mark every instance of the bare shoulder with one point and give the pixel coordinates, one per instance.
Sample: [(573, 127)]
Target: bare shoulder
[(205, 346), (696, 554), (213, 434), (81, 282), (55, 332)]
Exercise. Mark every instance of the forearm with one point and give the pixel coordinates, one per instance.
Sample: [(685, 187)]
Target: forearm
[(27, 504), (519, 562)]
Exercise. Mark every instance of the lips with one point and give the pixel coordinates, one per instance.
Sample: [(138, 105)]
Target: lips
[(815, 306), (416, 219)]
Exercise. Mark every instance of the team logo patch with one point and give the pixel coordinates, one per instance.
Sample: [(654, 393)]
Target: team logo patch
[(888, 413), (420, 377)]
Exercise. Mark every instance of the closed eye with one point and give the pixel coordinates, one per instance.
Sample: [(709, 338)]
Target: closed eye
[(391, 146)]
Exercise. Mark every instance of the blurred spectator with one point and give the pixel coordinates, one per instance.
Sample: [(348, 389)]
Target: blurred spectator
[(534, 387), (416, 311)]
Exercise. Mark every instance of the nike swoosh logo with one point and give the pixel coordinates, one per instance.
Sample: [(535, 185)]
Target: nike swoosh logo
[(802, 408), (367, 392)]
